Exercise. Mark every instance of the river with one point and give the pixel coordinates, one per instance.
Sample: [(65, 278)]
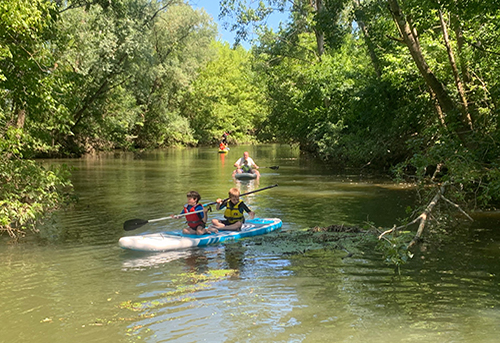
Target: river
[(73, 283)]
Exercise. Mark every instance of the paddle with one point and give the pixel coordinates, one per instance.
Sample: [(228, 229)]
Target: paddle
[(255, 191), (273, 167), (133, 224)]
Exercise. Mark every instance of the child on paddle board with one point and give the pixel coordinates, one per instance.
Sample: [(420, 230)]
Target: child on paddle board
[(245, 168), (198, 220), (250, 165), (234, 214)]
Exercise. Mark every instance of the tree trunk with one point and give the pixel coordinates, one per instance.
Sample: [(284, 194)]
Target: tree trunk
[(460, 44), (320, 36), (452, 114), (371, 50), (458, 82), (21, 117)]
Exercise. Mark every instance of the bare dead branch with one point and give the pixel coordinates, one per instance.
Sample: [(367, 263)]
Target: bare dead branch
[(394, 228), (423, 217), (457, 207), (438, 169)]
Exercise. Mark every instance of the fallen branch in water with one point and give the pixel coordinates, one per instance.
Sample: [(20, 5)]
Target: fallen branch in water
[(424, 216)]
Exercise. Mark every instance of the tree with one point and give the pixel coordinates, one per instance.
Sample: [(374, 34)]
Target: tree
[(226, 97), (428, 110), (181, 46), (28, 190)]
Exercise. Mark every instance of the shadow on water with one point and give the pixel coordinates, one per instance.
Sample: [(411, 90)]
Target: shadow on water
[(75, 283)]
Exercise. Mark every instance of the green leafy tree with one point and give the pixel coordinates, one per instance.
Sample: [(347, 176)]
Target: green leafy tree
[(28, 191), (99, 49), (180, 44), (226, 97)]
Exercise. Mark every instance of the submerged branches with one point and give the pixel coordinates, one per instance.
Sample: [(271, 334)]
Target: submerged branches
[(424, 217)]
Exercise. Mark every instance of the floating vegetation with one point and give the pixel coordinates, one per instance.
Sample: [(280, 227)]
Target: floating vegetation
[(333, 237)]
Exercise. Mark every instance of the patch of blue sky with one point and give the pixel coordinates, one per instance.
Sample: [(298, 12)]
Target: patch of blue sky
[(212, 7)]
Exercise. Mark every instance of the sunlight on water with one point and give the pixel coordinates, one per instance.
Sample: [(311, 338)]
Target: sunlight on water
[(73, 283)]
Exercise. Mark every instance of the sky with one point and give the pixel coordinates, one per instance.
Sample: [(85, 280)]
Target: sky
[(212, 7)]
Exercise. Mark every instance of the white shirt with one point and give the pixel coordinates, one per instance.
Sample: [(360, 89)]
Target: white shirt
[(251, 163)]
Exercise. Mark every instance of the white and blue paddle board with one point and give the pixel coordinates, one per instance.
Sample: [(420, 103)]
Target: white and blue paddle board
[(173, 240)]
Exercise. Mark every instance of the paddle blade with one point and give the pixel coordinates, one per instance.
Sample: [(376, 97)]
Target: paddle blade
[(133, 224), (275, 167)]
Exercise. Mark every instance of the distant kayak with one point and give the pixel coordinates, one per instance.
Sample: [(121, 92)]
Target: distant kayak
[(223, 151), (173, 240), (245, 176)]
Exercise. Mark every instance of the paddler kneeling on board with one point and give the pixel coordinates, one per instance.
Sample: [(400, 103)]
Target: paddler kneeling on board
[(249, 167), (198, 220), (234, 214)]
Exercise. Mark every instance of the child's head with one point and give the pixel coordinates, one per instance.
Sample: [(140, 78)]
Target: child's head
[(193, 195), (234, 195)]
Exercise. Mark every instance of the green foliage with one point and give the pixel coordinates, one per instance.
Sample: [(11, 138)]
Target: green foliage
[(226, 97), (394, 247), (181, 46), (90, 75), (339, 109), (29, 191), (474, 180)]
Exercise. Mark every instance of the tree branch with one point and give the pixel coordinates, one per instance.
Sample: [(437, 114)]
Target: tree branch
[(424, 217)]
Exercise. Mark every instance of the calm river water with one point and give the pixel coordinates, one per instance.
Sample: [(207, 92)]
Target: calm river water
[(74, 284)]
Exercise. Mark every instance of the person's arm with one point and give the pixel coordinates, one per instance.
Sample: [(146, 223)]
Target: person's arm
[(237, 164), (244, 207), (177, 216), (253, 164), (220, 204)]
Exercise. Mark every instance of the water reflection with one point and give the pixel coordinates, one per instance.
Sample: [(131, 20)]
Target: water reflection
[(142, 260), (222, 159), (246, 186), (234, 255), (77, 285), (197, 260)]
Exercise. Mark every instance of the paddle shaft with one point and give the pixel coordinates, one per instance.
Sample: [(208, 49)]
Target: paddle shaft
[(255, 191), (174, 216), (133, 224)]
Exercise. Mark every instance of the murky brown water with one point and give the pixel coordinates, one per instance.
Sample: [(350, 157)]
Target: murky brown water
[(74, 284)]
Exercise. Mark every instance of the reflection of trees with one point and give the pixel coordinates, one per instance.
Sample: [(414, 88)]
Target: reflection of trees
[(197, 261), (234, 255), (245, 187)]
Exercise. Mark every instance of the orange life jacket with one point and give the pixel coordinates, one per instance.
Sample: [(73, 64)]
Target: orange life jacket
[(193, 220)]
